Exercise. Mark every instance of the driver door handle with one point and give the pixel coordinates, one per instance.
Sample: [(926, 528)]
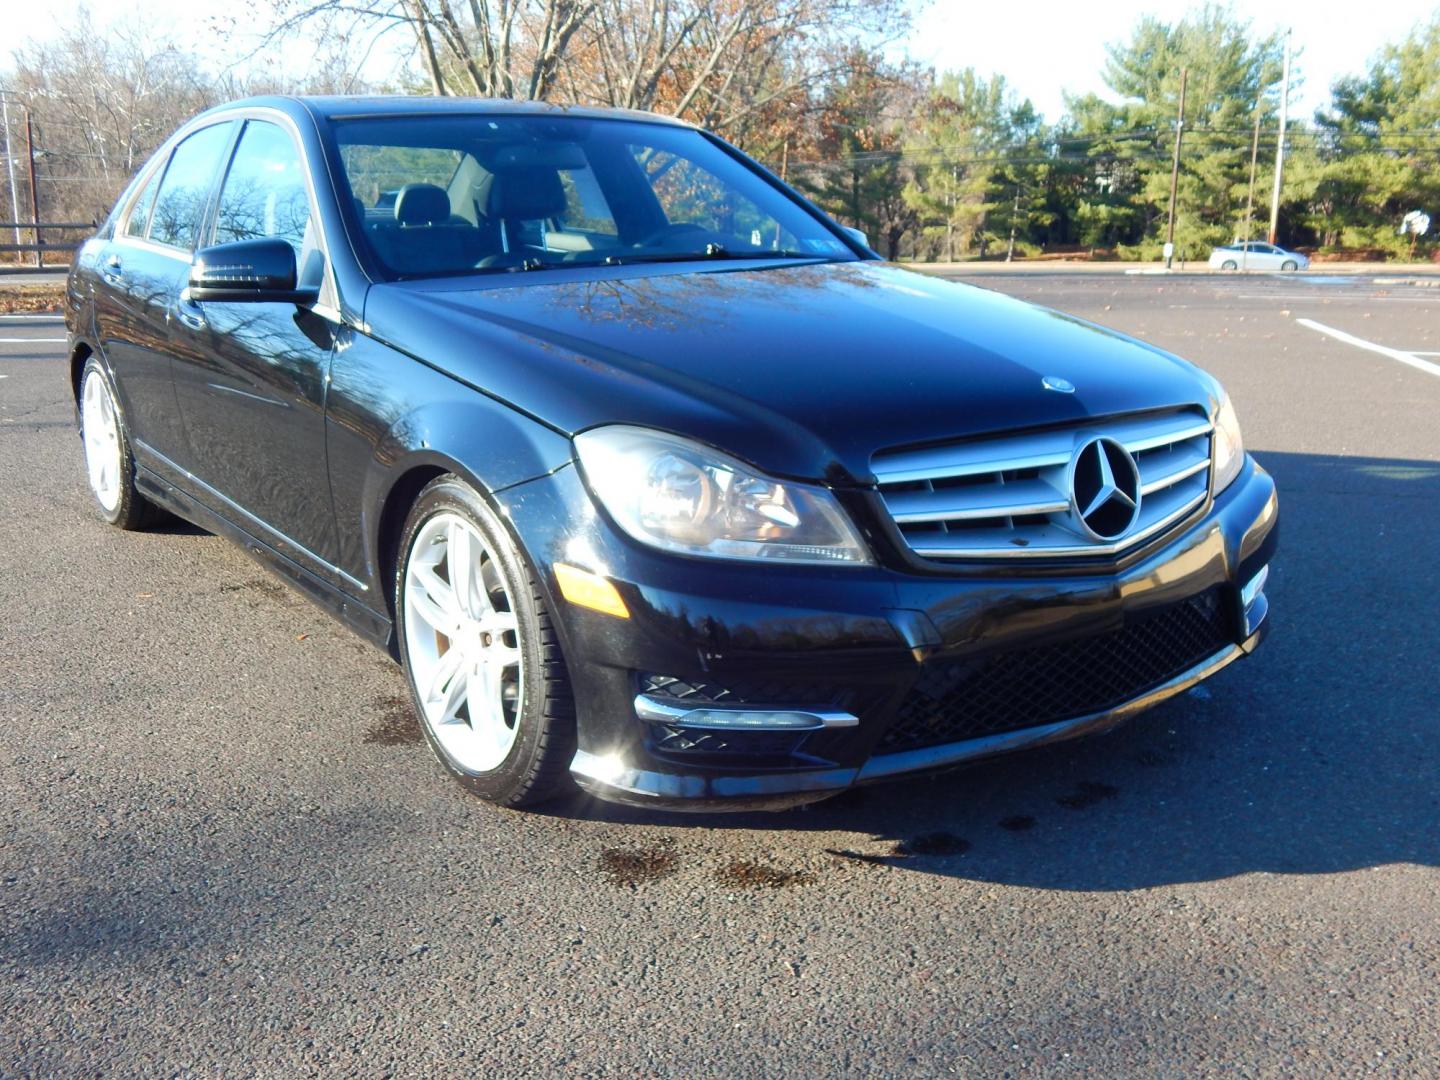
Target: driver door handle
[(189, 312), (112, 270)]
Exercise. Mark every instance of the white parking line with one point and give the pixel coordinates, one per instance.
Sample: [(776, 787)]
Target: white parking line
[(1384, 350), (1330, 298), (28, 340)]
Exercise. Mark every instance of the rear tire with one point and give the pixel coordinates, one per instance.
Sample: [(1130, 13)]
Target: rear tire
[(1229, 264), (480, 651), (109, 463)]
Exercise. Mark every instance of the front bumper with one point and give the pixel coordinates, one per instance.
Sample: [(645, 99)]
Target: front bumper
[(864, 637)]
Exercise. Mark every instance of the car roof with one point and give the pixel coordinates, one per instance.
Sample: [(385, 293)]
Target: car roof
[(371, 105)]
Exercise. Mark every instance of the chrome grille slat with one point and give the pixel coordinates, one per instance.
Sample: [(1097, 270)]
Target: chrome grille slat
[(948, 504), (1162, 468), (1009, 496)]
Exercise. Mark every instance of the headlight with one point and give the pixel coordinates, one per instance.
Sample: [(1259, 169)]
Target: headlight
[(679, 496), (1229, 450)]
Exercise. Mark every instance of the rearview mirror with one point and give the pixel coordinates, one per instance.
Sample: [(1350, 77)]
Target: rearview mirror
[(247, 271)]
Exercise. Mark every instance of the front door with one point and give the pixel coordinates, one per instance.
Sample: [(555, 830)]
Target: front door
[(251, 386)]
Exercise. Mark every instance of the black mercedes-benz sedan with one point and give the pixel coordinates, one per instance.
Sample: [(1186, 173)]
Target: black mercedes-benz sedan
[(652, 476)]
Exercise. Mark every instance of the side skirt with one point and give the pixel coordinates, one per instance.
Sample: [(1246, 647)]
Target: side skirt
[(370, 625)]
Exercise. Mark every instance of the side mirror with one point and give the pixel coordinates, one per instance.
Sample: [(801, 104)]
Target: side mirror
[(254, 271), (858, 235)]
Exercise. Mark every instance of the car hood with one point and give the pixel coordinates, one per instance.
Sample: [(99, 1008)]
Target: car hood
[(802, 369)]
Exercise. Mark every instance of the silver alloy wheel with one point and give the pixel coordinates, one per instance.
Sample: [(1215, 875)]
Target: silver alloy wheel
[(102, 440), (462, 643)]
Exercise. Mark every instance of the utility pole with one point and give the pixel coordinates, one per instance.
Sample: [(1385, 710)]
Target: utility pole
[(1250, 193), (1175, 172), (1010, 253), (34, 196), (1280, 146), (10, 163)]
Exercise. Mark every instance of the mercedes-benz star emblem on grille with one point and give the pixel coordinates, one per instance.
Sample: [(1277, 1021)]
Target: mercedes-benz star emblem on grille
[(1105, 489), (1059, 385)]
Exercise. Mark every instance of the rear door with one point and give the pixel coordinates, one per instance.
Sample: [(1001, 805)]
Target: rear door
[(251, 384), (143, 269)]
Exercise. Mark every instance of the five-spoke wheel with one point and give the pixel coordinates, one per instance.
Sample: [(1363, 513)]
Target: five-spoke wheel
[(109, 467), (484, 663), (101, 430), (464, 648)]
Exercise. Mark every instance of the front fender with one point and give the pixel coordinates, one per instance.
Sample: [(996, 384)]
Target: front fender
[(392, 421)]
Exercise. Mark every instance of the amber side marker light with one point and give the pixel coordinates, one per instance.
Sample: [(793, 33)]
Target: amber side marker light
[(585, 589)]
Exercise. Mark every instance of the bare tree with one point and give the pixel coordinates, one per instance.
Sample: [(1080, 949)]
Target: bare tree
[(489, 48), (101, 103), (727, 64)]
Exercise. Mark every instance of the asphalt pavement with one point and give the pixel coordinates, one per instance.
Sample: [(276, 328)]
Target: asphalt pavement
[(225, 851)]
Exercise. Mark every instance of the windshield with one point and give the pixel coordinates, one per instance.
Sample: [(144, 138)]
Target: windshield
[(440, 195)]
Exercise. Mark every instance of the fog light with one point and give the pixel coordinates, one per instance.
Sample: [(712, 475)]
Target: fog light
[(1252, 598), (713, 718)]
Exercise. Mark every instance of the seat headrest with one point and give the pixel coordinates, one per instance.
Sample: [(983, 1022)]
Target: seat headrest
[(525, 193), (422, 204)]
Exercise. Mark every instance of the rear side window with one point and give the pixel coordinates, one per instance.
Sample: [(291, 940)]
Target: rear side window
[(185, 191), (264, 193), (377, 173), (585, 207), (690, 194), (139, 219)]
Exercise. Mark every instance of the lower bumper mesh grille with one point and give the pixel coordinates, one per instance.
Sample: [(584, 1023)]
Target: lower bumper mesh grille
[(1031, 687), (696, 692)]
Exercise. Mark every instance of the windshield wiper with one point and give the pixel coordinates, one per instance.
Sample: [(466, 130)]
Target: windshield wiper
[(710, 252)]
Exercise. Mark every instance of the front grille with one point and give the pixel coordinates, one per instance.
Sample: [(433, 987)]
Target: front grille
[(1009, 497), (1031, 687)]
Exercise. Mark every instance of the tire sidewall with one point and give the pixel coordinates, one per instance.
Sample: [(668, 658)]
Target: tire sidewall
[(452, 495), (1229, 264)]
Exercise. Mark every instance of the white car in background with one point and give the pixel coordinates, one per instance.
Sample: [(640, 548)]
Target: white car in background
[(1256, 255)]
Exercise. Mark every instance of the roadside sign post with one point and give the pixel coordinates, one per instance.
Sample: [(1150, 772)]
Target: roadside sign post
[(34, 195), (1175, 171)]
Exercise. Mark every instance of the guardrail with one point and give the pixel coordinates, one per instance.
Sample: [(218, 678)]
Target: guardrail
[(37, 229)]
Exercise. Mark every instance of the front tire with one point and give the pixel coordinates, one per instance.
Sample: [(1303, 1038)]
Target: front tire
[(1289, 264), (109, 463), (480, 651)]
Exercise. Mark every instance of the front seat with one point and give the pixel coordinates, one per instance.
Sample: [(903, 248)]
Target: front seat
[(521, 193), (424, 237)]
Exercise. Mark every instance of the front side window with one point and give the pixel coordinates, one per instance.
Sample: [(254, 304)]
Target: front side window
[(264, 194), (455, 194), (185, 191)]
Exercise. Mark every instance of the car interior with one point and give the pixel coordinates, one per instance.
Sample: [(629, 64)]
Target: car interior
[(485, 204)]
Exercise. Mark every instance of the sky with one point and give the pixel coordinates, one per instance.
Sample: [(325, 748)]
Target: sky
[(1046, 47), (1042, 47)]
